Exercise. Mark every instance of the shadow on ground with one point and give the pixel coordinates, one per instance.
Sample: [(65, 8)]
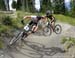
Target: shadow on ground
[(36, 50)]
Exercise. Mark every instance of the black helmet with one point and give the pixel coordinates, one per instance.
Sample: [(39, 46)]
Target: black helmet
[(48, 13)]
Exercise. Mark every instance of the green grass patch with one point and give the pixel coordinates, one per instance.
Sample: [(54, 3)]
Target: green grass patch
[(66, 19), (3, 28), (1, 44), (68, 41)]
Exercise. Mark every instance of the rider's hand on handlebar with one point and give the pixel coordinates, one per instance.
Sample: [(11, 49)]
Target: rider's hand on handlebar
[(22, 21)]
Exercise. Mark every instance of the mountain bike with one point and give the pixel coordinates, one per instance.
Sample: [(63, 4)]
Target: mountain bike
[(49, 28)]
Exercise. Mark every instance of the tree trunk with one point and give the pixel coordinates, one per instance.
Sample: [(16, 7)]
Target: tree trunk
[(23, 5), (27, 8)]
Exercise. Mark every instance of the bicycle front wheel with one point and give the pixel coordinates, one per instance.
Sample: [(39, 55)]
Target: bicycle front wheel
[(57, 29), (47, 31), (12, 41)]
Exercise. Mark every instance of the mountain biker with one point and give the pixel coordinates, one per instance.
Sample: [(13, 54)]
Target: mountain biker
[(50, 17), (34, 21)]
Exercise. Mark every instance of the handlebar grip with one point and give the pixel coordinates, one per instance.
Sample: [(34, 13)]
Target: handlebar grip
[(22, 21)]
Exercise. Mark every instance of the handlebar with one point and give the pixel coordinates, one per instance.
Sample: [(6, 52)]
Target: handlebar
[(22, 21)]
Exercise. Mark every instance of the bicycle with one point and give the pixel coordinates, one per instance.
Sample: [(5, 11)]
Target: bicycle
[(49, 28), (21, 35)]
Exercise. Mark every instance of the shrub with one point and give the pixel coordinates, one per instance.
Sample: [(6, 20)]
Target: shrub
[(68, 42), (63, 40), (7, 20)]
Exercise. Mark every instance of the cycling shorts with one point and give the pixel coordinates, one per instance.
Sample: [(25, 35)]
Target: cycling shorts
[(33, 23)]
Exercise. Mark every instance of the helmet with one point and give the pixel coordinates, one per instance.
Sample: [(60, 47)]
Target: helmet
[(48, 13)]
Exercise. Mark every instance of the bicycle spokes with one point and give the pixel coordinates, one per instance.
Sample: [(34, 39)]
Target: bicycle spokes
[(57, 29)]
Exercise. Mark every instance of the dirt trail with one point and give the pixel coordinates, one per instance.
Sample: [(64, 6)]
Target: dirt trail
[(36, 46)]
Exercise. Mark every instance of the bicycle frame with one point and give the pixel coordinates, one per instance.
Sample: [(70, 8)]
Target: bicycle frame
[(51, 25)]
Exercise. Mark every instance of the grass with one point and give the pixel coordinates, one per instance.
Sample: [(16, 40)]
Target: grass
[(1, 44), (66, 19), (68, 41)]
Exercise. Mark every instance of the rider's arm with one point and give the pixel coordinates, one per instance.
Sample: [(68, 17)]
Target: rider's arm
[(26, 17), (52, 19)]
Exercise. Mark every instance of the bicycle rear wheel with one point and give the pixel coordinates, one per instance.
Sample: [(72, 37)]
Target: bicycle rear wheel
[(19, 36), (47, 31), (57, 29)]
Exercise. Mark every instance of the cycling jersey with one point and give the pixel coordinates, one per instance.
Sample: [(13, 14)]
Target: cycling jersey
[(51, 18), (35, 20)]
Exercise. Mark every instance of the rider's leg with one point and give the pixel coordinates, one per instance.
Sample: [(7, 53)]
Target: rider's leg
[(31, 22), (53, 25), (34, 28)]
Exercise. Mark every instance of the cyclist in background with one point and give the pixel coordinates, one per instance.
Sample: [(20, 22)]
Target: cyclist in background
[(50, 17)]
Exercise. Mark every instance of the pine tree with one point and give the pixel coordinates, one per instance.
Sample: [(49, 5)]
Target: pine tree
[(2, 5), (59, 6), (73, 8)]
